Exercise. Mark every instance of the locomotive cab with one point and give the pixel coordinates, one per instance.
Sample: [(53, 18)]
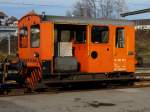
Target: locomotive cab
[(54, 47)]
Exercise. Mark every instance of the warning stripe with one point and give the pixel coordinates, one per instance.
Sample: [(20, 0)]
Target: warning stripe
[(33, 75), (34, 78), (38, 75), (31, 78)]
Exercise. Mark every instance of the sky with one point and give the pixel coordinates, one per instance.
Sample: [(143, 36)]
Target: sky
[(59, 7)]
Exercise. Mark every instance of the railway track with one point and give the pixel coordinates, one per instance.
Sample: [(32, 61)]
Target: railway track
[(142, 75), (75, 88)]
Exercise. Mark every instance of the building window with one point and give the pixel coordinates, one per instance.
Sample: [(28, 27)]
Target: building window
[(120, 38), (23, 34), (35, 36), (100, 34)]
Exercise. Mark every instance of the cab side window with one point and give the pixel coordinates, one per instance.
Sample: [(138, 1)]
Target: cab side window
[(81, 36), (35, 36), (23, 35), (120, 38), (100, 34)]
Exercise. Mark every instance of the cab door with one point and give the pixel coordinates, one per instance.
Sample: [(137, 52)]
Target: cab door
[(47, 48), (47, 40), (120, 49), (100, 58)]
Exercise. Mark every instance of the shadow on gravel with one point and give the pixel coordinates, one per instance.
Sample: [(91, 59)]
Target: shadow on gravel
[(97, 104), (94, 104)]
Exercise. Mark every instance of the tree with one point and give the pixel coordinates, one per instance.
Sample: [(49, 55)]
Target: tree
[(99, 8), (120, 7), (84, 8)]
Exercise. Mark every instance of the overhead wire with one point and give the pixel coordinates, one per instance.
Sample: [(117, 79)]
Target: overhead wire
[(54, 6), (32, 4)]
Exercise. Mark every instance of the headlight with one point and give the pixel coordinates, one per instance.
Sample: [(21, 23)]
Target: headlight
[(36, 55)]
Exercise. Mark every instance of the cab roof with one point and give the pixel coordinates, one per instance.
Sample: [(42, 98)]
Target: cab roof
[(86, 21), (81, 20)]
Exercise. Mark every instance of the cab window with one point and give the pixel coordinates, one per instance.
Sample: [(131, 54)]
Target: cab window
[(81, 36), (23, 34), (100, 34), (120, 38), (35, 36), (71, 33)]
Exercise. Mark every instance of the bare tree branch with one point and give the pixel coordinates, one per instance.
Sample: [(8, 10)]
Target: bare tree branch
[(99, 8)]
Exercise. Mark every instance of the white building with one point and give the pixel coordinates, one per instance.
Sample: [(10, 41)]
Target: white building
[(3, 18), (142, 24)]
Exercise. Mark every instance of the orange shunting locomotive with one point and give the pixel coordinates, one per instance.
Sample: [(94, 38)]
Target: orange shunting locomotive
[(69, 49)]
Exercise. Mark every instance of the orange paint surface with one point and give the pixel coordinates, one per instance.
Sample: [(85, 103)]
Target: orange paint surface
[(109, 59)]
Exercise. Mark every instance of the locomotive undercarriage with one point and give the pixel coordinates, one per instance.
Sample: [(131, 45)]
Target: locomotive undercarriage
[(18, 75)]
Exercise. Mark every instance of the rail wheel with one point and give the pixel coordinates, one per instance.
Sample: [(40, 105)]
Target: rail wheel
[(33, 78)]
